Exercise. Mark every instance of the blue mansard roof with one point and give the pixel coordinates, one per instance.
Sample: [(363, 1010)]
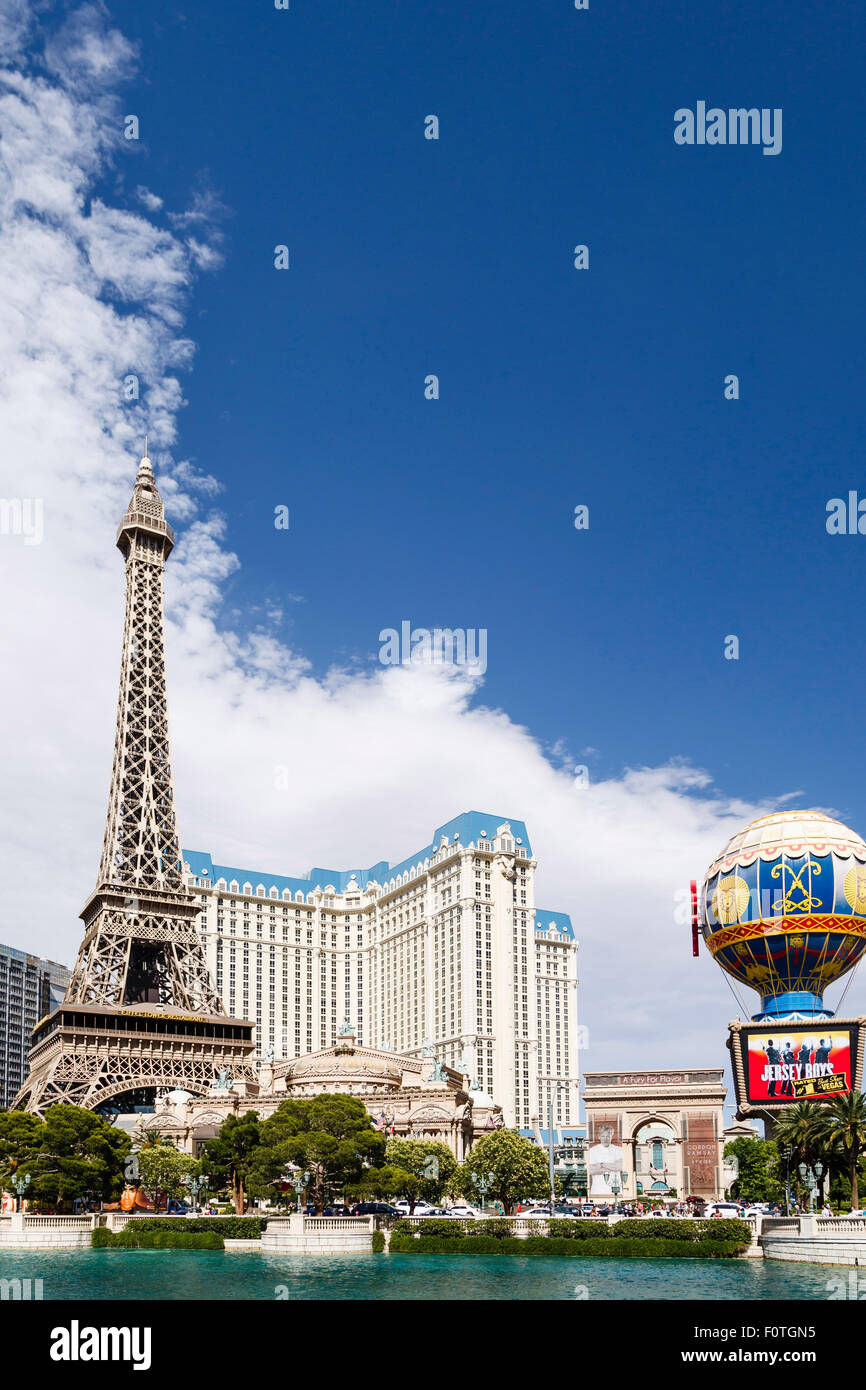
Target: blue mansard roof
[(544, 920), (464, 829)]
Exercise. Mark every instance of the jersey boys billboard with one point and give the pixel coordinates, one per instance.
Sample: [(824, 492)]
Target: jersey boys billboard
[(796, 1065), (779, 1065)]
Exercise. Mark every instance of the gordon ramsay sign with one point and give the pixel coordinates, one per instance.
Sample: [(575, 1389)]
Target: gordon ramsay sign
[(777, 1065)]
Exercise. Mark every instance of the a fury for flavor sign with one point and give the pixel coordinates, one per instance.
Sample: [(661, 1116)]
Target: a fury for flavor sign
[(792, 1063)]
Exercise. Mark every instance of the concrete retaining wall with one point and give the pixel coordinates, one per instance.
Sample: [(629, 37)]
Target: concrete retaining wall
[(816, 1250), (318, 1235), (825, 1240), (25, 1232)]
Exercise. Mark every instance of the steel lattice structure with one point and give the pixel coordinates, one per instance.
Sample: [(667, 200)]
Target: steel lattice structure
[(140, 947)]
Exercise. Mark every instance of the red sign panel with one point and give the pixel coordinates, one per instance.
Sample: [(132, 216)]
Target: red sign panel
[(796, 1062)]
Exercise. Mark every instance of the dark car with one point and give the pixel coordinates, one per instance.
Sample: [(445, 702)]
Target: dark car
[(374, 1209)]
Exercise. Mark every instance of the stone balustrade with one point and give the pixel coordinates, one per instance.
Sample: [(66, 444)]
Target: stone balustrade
[(811, 1239), (26, 1231)]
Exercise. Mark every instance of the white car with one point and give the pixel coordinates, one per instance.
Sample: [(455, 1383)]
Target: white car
[(463, 1209), (421, 1209), (723, 1209)]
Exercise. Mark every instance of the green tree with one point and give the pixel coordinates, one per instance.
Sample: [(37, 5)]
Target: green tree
[(383, 1183), (232, 1156), (20, 1142), (804, 1128), (330, 1136), (758, 1176), (71, 1152), (519, 1169), (846, 1127), (414, 1156), (163, 1169)]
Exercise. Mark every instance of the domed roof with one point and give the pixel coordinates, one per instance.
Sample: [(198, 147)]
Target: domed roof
[(783, 906), (344, 1064), (795, 833), (482, 1100)]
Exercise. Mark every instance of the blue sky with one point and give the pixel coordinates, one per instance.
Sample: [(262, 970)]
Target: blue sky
[(707, 516), (558, 387)]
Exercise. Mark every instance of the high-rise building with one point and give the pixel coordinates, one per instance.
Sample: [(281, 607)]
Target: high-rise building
[(30, 988), (140, 1014), (444, 952)]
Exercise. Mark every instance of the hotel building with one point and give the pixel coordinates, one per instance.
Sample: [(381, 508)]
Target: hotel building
[(445, 954), (30, 988)]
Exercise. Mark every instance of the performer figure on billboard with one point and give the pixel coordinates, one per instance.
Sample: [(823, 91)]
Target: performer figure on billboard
[(804, 1056), (788, 1061), (773, 1060), (822, 1052), (605, 1160)]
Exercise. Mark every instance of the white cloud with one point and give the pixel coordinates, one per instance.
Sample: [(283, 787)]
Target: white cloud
[(151, 201), (376, 757)]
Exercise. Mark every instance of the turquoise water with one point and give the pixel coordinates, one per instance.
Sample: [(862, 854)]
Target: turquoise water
[(213, 1274)]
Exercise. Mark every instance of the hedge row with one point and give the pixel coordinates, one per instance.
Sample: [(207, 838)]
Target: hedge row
[(233, 1227), (583, 1229), (616, 1247), (131, 1238), (665, 1228)]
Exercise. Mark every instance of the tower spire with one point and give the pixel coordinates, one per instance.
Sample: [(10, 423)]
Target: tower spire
[(141, 944), (140, 1013)]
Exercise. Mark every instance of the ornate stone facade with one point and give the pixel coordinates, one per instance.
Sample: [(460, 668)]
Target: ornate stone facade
[(408, 1097), (655, 1136)]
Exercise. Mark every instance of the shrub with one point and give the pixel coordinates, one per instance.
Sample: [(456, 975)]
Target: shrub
[(131, 1238), (612, 1248), (663, 1228), (568, 1228), (724, 1228), (233, 1227), (493, 1228), (670, 1229), (444, 1228), (378, 1242)]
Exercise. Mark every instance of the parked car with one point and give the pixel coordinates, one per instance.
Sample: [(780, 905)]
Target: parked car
[(421, 1209), (374, 1209), (463, 1209), (174, 1208), (722, 1209)]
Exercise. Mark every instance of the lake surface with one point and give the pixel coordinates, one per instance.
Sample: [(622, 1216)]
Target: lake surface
[(211, 1274)]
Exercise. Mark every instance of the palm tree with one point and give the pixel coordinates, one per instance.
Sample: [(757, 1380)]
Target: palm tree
[(846, 1126), (804, 1127), (152, 1137)]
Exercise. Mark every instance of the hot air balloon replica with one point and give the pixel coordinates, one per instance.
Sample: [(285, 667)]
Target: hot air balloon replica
[(782, 910)]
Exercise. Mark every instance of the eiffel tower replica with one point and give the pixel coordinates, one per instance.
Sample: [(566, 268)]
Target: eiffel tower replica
[(140, 1014)]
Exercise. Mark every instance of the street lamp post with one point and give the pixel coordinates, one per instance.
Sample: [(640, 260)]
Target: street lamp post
[(299, 1182), (811, 1178), (483, 1184), (196, 1186), (21, 1185), (786, 1151)]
